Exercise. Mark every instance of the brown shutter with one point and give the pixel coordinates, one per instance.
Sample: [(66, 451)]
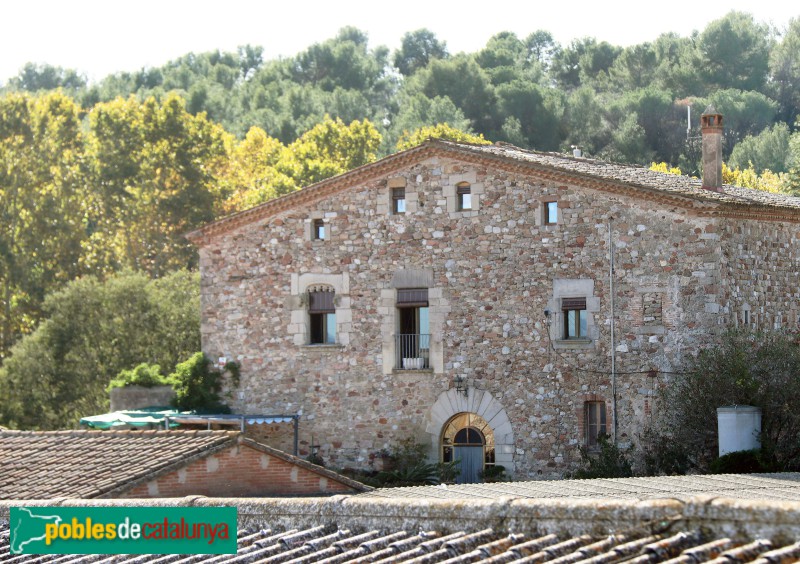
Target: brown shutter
[(573, 303), (412, 297), (321, 302), (463, 189)]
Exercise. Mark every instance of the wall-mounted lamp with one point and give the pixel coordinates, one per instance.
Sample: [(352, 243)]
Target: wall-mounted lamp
[(460, 384)]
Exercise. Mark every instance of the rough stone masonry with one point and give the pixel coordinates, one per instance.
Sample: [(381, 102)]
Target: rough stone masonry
[(501, 275)]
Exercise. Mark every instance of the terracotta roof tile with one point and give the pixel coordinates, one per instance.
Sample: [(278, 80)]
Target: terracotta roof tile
[(44, 465)]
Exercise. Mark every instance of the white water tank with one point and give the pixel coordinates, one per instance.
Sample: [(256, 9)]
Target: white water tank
[(739, 428)]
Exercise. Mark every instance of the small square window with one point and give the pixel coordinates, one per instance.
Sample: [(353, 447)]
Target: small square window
[(398, 201), (550, 213), (575, 318), (319, 230), (464, 195)]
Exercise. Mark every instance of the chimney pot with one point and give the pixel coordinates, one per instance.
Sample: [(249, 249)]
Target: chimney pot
[(712, 130)]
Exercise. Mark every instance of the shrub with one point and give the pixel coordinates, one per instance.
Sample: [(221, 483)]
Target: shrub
[(198, 384), (739, 462), (757, 369), (610, 462), (145, 375)]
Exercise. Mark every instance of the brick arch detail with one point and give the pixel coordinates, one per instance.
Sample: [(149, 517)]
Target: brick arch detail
[(480, 402)]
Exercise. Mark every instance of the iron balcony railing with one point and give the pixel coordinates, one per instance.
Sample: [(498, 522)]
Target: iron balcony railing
[(412, 352)]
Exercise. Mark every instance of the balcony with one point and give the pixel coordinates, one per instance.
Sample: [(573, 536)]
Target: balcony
[(412, 352)]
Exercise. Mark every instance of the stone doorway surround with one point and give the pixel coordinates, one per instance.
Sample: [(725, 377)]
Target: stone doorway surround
[(480, 402)]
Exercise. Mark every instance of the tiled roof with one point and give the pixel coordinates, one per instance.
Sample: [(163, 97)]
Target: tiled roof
[(620, 178), (779, 487), (86, 464), (681, 185), (699, 531)]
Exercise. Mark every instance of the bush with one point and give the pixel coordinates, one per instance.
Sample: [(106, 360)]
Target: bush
[(198, 384), (739, 462), (610, 462), (145, 375), (758, 369), (496, 473)]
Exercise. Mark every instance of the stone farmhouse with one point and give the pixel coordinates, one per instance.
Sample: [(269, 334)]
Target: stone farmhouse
[(502, 306)]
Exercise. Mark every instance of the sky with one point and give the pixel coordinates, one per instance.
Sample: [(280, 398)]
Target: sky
[(102, 37)]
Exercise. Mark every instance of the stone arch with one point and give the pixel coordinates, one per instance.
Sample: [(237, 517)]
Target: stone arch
[(453, 402)]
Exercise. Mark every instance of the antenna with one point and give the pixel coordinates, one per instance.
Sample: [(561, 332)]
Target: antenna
[(688, 121)]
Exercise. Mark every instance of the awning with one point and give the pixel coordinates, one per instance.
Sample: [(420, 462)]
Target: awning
[(147, 416)]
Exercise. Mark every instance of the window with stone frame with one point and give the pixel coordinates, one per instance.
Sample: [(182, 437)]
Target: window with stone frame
[(550, 213), (318, 230), (575, 318), (398, 201), (463, 196), (322, 316), (594, 423), (413, 333)]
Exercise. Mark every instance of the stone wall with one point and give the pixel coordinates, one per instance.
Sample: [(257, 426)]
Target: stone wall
[(493, 273)]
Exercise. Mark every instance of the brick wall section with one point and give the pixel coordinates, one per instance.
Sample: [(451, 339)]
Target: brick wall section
[(496, 269), (238, 471)]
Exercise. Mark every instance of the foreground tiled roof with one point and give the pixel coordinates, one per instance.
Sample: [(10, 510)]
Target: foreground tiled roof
[(780, 487), (357, 530), (635, 181), (43, 465)]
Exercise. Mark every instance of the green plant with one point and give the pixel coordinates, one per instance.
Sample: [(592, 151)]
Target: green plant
[(609, 462), (447, 472), (740, 462), (420, 474), (495, 473), (198, 385), (145, 375)]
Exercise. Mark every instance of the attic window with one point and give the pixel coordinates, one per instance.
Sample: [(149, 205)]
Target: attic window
[(464, 196), (319, 230), (398, 201)]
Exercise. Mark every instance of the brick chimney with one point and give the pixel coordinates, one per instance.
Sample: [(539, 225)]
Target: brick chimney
[(711, 127)]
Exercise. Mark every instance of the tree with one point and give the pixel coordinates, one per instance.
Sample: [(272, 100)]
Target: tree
[(745, 369), (538, 110), (769, 150), (438, 131), (328, 149), (784, 64), (735, 51), (93, 331), (155, 169), (746, 113), (43, 191), (417, 49), (36, 78)]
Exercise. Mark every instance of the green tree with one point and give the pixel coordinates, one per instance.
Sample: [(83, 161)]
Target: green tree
[(744, 369), (784, 66), (417, 49), (93, 331), (36, 78), (746, 113), (769, 150), (42, 205), (461, 80), (328, 149), (155, 169), (735, 52)]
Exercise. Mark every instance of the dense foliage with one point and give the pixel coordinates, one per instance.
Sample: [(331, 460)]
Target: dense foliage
[(94, 330), (745, 369)]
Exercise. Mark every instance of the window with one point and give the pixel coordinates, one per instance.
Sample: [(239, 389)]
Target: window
[(319, 230), (575, 318), (322, 317), (550, 213), (413, 336), (594, 424), (398, 201), (463, 196)]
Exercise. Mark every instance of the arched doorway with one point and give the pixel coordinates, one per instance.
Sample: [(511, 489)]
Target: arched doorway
[(468, 438)]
